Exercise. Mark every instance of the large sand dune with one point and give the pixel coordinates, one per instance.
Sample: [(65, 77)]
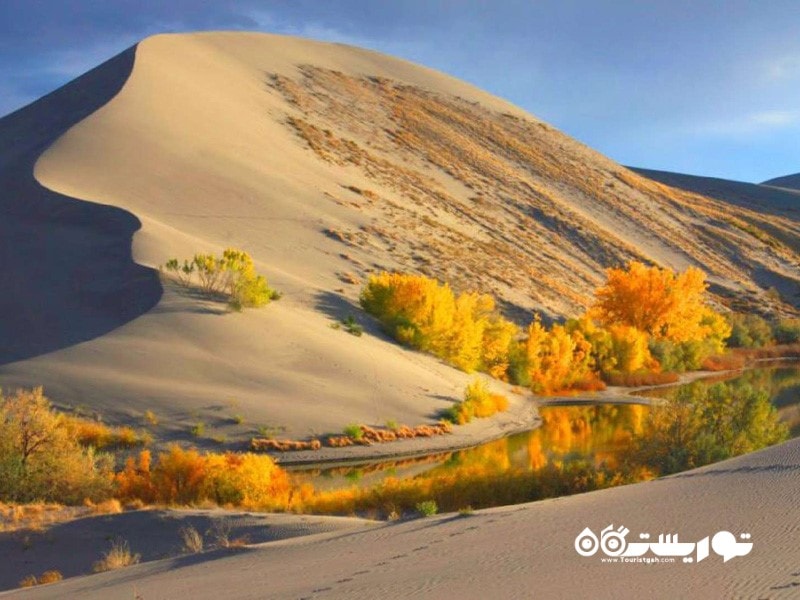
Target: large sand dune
[(326, 163)]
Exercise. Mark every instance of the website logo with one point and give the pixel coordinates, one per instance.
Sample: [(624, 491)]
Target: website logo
[(667, 549)]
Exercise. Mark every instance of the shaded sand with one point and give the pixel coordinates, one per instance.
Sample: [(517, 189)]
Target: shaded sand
[(73, 547), (515, 552)]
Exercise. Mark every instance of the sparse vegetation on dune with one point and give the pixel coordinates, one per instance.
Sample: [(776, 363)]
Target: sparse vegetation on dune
[(231, 276), (117, 557), (541, 215)]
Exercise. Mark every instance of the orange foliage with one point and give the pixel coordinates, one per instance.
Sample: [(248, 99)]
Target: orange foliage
[(463, 330), (558, 359), (654, 300), (187, 477)]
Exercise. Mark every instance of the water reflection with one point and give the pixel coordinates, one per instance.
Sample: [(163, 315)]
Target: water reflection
[(580, 448)]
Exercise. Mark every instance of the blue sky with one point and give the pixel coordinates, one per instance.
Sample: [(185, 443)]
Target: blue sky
[(703, 87)]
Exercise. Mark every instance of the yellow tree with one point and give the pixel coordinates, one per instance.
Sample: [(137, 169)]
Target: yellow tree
[(656, 301)]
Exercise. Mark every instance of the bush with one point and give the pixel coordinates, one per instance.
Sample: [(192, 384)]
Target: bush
[(192, 540), (748, 331), (186, 477), (354, 431), (117, 557), (232, 275), (352, 327), (787, 331), (464, 330), (478, 403), (427, 508)]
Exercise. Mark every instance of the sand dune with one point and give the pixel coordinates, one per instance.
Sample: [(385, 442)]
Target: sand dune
[(73, 547), (787, 181), (515, 552), (191, 143)]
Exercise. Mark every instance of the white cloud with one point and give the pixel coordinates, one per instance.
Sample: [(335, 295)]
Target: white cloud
[(781, 69), (749, 124)]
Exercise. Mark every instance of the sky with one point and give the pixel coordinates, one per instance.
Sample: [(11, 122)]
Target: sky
[(705, 87)]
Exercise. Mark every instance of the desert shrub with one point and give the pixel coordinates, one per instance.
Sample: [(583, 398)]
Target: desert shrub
[(787, 331), (427, 508), (748, 331), (100, 436), (354, 431), (50, 577), (192, 540), (232, 275), (351, 326), (478, 403), (118, 557), (39, 457), (186, 477)]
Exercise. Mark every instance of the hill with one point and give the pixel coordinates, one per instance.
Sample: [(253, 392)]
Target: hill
[(787, 181), (326, 163)]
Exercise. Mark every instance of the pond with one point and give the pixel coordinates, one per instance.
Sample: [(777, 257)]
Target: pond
[(584, 447)]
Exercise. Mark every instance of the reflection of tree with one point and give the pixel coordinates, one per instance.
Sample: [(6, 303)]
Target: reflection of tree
[(701, 424), (582, 448)]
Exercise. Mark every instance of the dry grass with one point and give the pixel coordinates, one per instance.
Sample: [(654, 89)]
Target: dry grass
[(100, 436), (192, 540), (725, 362), (36, 516), (118, 557), (107, 507), (508, 204), (50, 577)]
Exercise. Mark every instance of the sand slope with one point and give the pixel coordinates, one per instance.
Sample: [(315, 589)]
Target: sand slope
[(516, 552), (327, 163), (73, 547)]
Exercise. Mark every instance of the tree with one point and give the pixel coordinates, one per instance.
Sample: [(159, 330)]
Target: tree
[(40, 460), (656, 301)]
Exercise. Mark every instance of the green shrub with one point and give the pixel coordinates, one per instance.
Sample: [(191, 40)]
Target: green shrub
[(427, 508), (231, 275), (352, 327), (787, 331), (748, 331), (354, 431)]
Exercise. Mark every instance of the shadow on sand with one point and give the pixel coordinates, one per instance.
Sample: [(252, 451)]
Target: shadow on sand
[(66, 270)]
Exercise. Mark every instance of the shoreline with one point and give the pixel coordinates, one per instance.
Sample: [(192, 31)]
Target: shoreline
[(522, 415)]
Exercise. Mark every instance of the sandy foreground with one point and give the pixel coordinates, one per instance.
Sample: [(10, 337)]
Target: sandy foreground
[(519, 551)]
